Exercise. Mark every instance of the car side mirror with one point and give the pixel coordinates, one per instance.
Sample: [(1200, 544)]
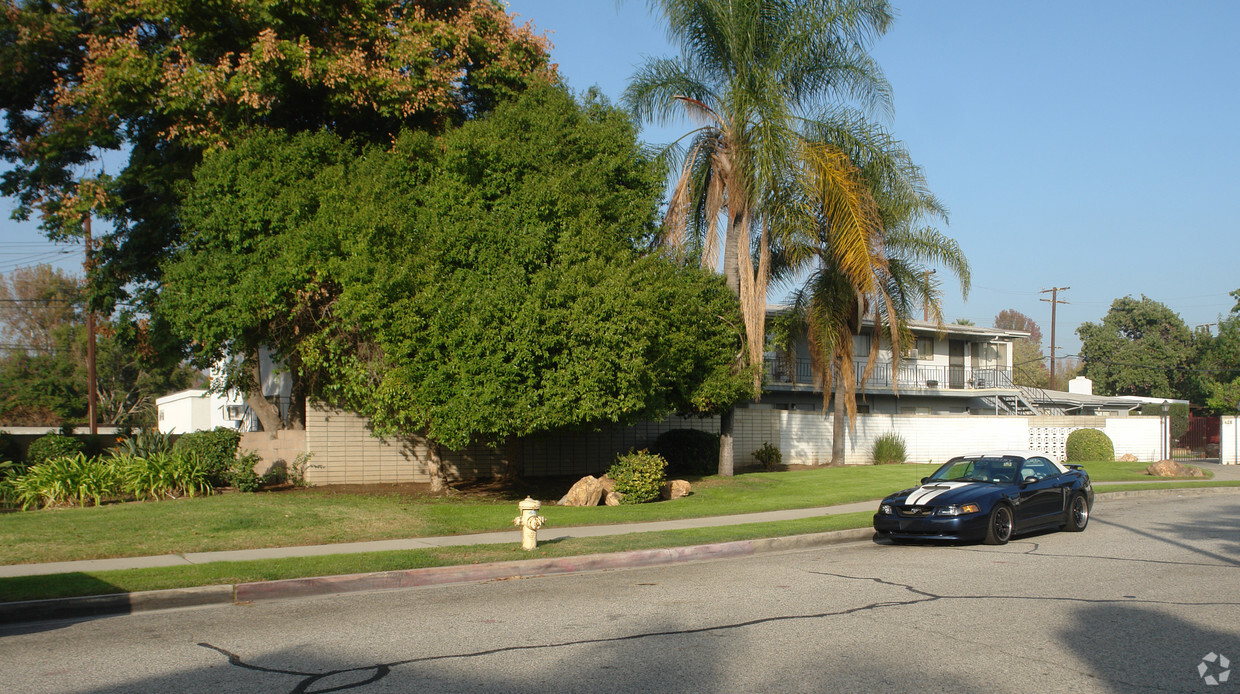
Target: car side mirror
[(1029, 480), (924, 479)]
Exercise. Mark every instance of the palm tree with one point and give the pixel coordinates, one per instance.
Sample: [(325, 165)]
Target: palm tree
[(832, 303), (768, 81)]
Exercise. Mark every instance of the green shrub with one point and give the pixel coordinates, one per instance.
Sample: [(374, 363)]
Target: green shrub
[(639, 476), (769, 456), (51, 446), (1090, 445), (162, 475), (241, 475), (688, 451), (297, 471), (145, 443), (888, 449), (9, 472), (216, 449), (72, 480)]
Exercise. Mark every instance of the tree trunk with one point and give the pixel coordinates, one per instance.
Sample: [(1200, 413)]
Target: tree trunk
[(434, 466), (296, 418), (267, 413), (731, 261), (839, 420), (725, 442)]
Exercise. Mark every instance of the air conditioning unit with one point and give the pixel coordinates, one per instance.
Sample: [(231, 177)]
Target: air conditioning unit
[(234, 412), (914, 354)]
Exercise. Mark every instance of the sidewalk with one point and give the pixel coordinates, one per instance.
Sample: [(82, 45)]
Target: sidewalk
[(547, 533)]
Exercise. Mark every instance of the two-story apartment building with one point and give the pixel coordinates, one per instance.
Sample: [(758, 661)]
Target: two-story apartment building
[(951, 369)]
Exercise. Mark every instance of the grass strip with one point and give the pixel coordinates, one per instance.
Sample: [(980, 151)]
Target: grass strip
[(223, 573)]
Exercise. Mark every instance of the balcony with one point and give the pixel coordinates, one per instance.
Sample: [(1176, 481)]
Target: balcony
[(907, 376)]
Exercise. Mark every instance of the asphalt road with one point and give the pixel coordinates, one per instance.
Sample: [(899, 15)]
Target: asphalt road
[(1132, 604)]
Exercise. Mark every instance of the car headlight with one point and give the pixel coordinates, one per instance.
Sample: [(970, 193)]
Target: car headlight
[(957, 510), (885, 509)]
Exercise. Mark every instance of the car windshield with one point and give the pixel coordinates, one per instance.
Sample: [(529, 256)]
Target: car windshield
[(994, 470)]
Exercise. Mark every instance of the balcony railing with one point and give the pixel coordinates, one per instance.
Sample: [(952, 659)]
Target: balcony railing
[(905, 375)]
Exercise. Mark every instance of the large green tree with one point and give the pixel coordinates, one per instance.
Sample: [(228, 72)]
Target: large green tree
[(1215, 378), (476, 286), (784, 91), (1141, 347), (157, 84)]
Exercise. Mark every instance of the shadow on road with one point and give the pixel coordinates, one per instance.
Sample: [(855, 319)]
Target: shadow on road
[(1143, 648)]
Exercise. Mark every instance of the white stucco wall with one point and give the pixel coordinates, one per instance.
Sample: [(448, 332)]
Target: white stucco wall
[(183, 412), (805, 437), (1229, 440)]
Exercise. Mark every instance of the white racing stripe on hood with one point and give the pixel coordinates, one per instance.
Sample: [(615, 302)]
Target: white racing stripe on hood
[(926, 493)]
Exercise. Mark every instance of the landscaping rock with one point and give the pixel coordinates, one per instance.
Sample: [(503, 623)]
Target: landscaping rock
[(1127, 458), (674, 489), (1170, 468), (613, 498), (586, 492), (609, 485)]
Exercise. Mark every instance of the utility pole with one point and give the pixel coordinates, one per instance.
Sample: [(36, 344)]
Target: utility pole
[(92, 397), (1054, 301)]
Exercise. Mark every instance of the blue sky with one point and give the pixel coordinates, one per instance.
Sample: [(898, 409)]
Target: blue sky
[(1091, 145)]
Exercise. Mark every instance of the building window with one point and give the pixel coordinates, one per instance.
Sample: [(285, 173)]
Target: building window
[(861, 345), (925, 348)]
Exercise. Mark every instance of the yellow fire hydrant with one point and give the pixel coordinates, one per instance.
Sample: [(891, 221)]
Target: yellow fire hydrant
[(529, 521)]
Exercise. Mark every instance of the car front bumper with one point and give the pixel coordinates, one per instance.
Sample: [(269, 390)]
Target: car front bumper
[(969, 527)]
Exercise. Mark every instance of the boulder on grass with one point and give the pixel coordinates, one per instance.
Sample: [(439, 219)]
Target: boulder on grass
[(1171, 468), (613, 498), (609, 485), (1127, 458), (586, 492), (674, 489)]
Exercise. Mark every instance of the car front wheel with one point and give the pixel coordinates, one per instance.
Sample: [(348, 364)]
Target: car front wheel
[(999, 528), (1078, 514)]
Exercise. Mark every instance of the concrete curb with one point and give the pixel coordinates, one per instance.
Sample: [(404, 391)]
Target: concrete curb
[(119, 603), (128, 603), (474, 573)]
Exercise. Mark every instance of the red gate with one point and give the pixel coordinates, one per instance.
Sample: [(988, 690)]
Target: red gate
[(1200, 441)]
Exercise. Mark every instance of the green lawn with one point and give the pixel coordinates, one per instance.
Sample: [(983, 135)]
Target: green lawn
[(247, 521)]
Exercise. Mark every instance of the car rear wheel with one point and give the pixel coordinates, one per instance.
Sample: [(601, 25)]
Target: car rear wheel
[(1078, 514), (999, 527)]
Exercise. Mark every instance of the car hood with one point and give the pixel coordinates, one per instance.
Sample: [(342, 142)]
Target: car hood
[(942, 493)]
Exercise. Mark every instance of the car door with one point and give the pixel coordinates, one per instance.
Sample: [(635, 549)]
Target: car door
[(1041, 499)]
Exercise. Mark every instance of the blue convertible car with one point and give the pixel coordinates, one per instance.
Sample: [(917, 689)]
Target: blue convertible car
[(989, 497)]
